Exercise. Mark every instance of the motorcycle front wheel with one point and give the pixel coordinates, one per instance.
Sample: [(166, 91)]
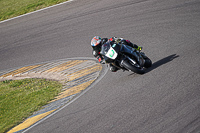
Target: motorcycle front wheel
[(128, 65)]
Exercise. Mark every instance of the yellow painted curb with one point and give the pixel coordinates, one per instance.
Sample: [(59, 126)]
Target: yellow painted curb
[(20, 70), (73, 90), (65, 66), (29, 122), (84, 72)]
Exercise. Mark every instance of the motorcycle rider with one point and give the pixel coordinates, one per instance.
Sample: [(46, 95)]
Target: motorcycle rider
[(97, 42)]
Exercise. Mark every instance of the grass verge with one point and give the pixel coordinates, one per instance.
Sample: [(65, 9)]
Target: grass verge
[(20, 98), (13, 8)]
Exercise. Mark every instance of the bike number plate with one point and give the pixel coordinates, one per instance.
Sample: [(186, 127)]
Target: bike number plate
[(111, 53)]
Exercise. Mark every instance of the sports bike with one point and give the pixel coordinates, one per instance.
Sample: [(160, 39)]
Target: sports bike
[(125, 57)]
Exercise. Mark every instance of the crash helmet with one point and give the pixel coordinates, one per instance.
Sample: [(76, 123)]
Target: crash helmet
[(95, 41)]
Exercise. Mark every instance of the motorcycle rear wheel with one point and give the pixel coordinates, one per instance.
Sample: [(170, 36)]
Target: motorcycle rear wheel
[(126, 63)]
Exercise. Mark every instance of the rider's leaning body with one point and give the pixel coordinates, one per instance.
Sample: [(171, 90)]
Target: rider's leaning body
[(97, 42)]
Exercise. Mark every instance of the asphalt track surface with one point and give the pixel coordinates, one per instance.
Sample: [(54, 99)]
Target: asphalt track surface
[(164, 100)]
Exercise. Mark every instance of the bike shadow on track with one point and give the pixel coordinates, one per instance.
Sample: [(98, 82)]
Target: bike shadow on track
[(161, 62)]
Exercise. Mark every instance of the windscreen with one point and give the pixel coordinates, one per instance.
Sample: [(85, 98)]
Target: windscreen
[(104, 48)]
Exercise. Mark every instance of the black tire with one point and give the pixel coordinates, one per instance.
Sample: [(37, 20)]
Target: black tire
[(128, 66), (148, 63)]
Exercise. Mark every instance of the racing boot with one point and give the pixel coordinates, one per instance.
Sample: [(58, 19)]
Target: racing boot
[(113, 68)]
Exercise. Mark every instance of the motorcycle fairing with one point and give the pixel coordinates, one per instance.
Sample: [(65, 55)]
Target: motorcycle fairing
[(111, 53)]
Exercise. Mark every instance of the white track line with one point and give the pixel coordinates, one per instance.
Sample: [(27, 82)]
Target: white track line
[(35, 11)]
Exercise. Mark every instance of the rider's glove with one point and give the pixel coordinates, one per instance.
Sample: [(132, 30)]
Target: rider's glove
[(95, 53), (139, 48)]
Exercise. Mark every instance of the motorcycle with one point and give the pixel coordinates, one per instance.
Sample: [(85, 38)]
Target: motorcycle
[(125, 57)]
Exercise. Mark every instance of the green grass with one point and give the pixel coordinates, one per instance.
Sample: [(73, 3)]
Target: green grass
[(20, 98), (13, 8)]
